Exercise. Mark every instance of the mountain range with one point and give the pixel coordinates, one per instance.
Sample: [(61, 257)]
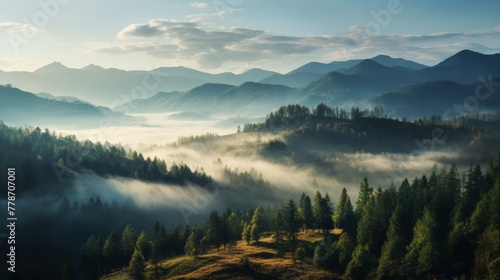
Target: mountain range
[(404, 87), (18, 107), (367, 82)]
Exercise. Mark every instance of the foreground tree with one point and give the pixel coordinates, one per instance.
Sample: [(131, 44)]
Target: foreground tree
[(292, 226), (129, 238), (257, 223), (112, 251), (278, 231), (245, 235), (136, 266)]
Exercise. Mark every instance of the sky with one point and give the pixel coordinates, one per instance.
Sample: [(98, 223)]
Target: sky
[(236, 35)]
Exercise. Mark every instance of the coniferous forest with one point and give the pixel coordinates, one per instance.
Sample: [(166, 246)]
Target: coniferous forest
[(437, 226)]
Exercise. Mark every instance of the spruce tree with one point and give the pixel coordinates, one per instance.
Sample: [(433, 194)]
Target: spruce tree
[(136, 266)]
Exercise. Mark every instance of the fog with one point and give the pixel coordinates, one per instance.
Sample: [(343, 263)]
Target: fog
[(247, 170), (291, 170)]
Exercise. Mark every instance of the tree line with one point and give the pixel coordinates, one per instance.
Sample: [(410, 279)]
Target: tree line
[(48, 158), (442, 225)]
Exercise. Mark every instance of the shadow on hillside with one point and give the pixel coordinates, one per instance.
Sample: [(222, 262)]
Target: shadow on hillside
[(262, 255)]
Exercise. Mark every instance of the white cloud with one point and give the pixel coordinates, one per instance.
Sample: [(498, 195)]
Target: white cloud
[(208, 46), (17, 27), (200, 5)]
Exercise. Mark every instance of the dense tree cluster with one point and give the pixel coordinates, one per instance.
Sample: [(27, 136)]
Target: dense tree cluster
[(49, 158), (290, 116), (439, 226)]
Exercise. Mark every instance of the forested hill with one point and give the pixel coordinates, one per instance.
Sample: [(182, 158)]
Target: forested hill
[(44, 158), (373, 130), (437, 226)]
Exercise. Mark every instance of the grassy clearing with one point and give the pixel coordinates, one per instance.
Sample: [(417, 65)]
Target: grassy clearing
[(263, 264)]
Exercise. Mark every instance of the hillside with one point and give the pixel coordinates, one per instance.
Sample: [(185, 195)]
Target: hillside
[(464, 67), (246, 99), (445, 98), (263, 263), (107, 86), (19, 107)]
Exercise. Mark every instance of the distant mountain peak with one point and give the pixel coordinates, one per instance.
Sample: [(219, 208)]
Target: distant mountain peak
[(93, 67), (389, 61), (464, 57), (54, 66), (366, 65)]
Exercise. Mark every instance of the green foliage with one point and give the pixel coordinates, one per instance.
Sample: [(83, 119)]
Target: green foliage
[(394, 248), (424, 255), (323, 255), (136, 266), (365, 192), (113, 251), (291, 226), (91, 257), (487, 255), (362, 265), (65, 153), (67, 271), (246, 235), (342, 252), (143, 245), (129, 238), (257, 223), (278, 228), (191, 247), (300, 253), (344, 215)]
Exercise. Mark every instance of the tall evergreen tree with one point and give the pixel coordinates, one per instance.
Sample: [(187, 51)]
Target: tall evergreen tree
[(292, 226), (342, 251), (246, 235), (214, 229), (143, 245), (365, 192), (129, 238), (308, 213), (317, 210), (423, 258), (191, 247), (394, 248), (257, 223), (340, 212), (278, 230), (136, 266), (112, 251)]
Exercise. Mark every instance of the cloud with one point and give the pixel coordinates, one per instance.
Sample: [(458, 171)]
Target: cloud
[(17, 27), (205, 45), (199, 5)]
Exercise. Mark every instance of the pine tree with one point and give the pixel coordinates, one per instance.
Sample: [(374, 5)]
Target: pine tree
[(112, 251), (362, 265), (191, 247), (143, 245), (257, 223), (278, 230), (424, 253), (136, 266), (308, 213), (365, 192), (342, 251), (245, 235), (317, 210), (393, 250), (214, 230), (129, 238), (326, 212), (235, 227), (292, 226), (340, 214)]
